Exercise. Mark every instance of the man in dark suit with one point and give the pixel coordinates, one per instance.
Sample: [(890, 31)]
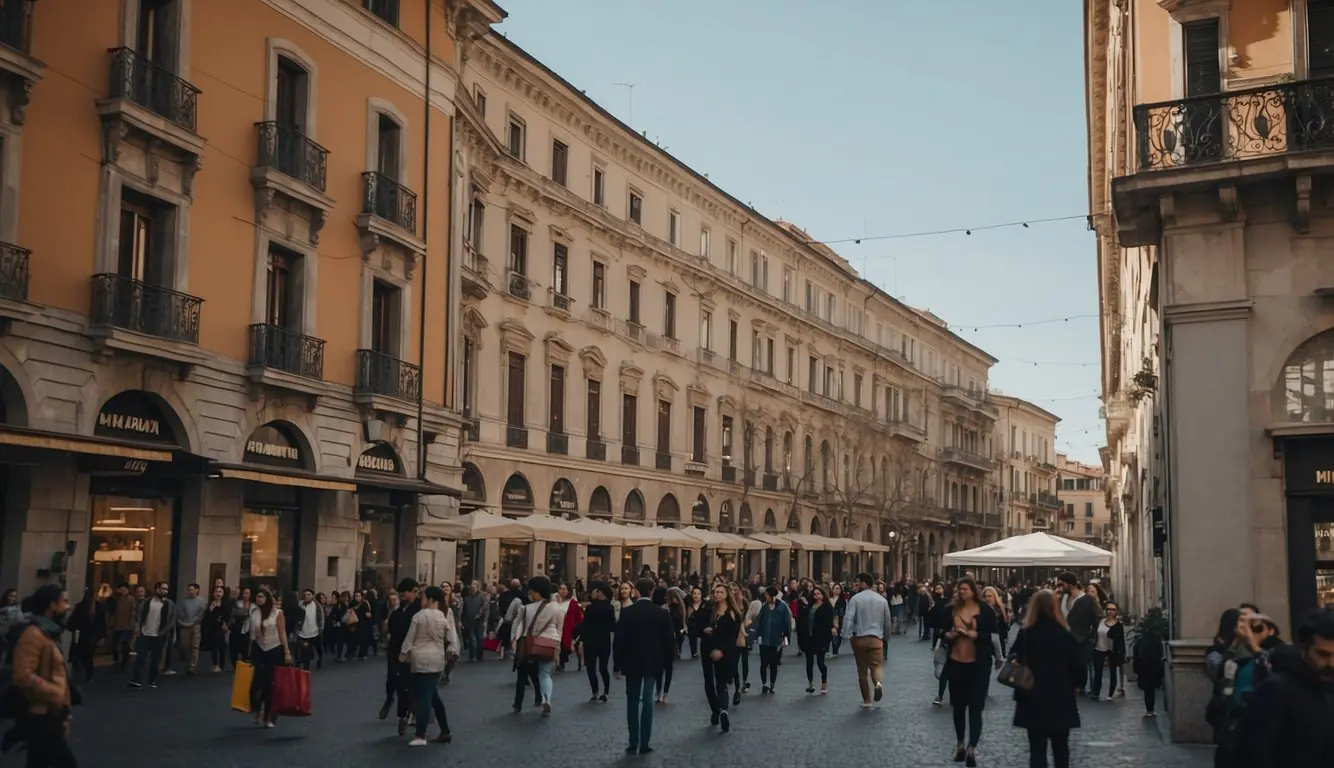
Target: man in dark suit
[(642, 646), (1081, 614)]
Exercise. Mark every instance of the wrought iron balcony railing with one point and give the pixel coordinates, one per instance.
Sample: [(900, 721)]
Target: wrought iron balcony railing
[(287, 151), (153, 87), (122, 302), (13, 272), (1236, 125), (516, 436), (16, 25), (558, 442), (273, 346), (595, 450), (391, 201), (518, 286), (380, 374)]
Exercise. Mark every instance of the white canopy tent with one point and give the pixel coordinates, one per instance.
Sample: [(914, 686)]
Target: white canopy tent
[(1033, 549)]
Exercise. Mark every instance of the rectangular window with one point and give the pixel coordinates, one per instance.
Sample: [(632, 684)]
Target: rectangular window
[(706, 330), (476, 223), (560, 159), (788, 277), (557, 405), (829, 307), (698, 435), (810, 298), (599, 285), (282, 305), (479, 98), (518, 249), (674, 228), (664, 426), (636, 211), (1088, 509), (731, 257), (829, 381), (769, 356), (1203, 68), (791, 368), (560, 269), (727, 440), (387, 10), (731, 340), (389, 144), (704, 242), (593, 417), (669, 315), (291, 86), (1319, 38), (514, 412), (634, 302), (145, 232), (516, 137), (469, 376), (384, 318), (755, 350), (812, 373), (629, 423), (755, 269), (599, 186), (764, 273), (857, 390)]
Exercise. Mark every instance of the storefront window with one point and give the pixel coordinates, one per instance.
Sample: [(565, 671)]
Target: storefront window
[(556, 559), (268, 544), (668, 562), (1324, 587), (513, 561), (379, 549), (597, 563), (130, 541)]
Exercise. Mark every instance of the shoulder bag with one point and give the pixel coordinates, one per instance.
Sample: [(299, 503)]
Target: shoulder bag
[(1013, 674), (535, 647)]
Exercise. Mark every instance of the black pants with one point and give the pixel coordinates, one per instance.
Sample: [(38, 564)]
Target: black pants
[(1100, 662), (1037, 748), (742, 666), (239, 643), (595, 663), (968, 695), (769, 664), (310, 650), (664, 682), (47, 746), (525, 673), (397, 681), (694, 646), (1149, 697), (219, 652), (717, 674), (426, 696), (811, 660), (82, 657), (261, 690)]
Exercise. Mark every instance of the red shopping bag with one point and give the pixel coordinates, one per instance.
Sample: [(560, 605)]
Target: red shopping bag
[(491, 644), (291, 692)]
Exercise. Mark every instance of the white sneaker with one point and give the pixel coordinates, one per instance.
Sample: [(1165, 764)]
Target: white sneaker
[(417, 743)]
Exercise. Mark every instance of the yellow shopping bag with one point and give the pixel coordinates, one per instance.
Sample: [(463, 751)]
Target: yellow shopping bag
[(245, 674)]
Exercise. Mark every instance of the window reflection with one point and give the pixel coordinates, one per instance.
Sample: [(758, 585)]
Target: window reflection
[(1308, 380)]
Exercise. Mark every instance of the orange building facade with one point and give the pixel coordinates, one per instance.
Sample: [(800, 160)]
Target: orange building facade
[(225, 227)]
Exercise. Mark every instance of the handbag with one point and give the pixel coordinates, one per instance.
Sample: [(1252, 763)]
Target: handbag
[(291, 692), (245, 675), (1013, 674), (939, 657), (537, 648), (350, 617), (491, 643)]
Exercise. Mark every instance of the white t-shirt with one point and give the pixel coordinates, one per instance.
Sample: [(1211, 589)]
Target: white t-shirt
[(265, 631), (154, 618), (1104, 638), (310, 626)]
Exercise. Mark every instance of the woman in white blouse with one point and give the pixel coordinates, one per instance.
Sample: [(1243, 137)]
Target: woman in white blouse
[(431, 643), (268, 637), (541, 617)]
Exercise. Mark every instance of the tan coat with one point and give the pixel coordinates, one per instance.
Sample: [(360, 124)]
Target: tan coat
[(39, 671)]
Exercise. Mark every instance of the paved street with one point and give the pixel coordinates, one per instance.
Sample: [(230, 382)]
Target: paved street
[(186, 722)]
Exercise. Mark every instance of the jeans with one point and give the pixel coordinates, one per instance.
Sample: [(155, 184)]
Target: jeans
[(1037, 748), (475, 634), (1099, 662), (811, 660), (544, 679), (148, 652), (427, 697), (261, 688), (769, 664), (836, 644), (120, 647), (717, 674), (639, 710), (398, 680), (595, 663), (868, 652)]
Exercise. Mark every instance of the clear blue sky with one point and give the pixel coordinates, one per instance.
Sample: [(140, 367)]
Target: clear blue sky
[(857, 118)]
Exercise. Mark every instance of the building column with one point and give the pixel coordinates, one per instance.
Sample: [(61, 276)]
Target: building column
[(578, 566), (611, 570)]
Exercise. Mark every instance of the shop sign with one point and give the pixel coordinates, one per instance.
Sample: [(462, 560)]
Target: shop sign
[(563, 498), (517, 492), (112, 465), (1308, 465), (380, 459), (270, 444), (132, 415)]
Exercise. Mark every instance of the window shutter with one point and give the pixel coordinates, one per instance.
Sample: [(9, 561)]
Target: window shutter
[(1320, 37), (1203, 75)]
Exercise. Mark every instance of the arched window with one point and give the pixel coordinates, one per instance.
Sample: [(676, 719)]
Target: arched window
[(725, 517), (634, 506), (770, 522), (1306, 389), (815, 526), (747, 523), (669, 512), (599, 504)]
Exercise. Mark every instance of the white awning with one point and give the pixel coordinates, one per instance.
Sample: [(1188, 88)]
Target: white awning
[(1033, 549)]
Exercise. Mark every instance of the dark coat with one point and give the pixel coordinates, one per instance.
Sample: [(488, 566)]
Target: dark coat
[(1287, 718), (1083, 619), (1052, 653), (598, 624), (644, 640), (725, 630), (1117, 634), (819, 623), (1146, 660)]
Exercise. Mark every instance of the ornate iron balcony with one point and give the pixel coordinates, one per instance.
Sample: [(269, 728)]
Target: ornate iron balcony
[(1236, 125), (380, 374), (389, 200), (153, 87), (122, 302), (16, 25), (518, 286), (289, 152), (558, 442), (275, 347), (13, 272), (595, 449)]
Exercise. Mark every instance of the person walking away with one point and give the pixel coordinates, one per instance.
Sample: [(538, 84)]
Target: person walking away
[(1147, 659), (866, 627), (87, 621), (716, 626), (924, 603), (1049, 711), (213, 627), (476, 615), (1082, 613), (898, 609), (512, 602), (839, 601), (189, 614), (122, 626), (819, 633), (645, 642), (397, 674), (361, 626), (594, 638), (39, 674), (431, 640), (540, 618), (969, 666), (238, 642), (269, 648), (773, 626), (153, 622), (1287, 724), (309, 616), (1109, 651), (741, 657), (663, 598)]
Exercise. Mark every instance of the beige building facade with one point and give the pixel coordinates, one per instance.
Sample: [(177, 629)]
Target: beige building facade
[(1026, 472), (1209, 194), (637, 345), (1084, 514)]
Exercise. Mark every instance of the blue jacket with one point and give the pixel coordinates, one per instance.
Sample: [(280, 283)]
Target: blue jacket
[(774, 624)]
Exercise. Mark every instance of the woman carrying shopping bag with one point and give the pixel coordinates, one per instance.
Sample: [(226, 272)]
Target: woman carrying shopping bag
[(431, 643), (268, 638)]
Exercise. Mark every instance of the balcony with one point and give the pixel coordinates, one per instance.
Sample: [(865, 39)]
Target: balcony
[(16, 56), (516, 436), (150, 101), (729, 474), (769, 481), (966, 459), (476, 273), (975, 399), (558, 442), (387, 383), (291, 165), (595, 450), (558, 304), (696, 467), (135, 316), (662, 460), (388, 216), (154, 88), (1047, 501), (906, 430), (518, 287), (286, 359), (630, 455)]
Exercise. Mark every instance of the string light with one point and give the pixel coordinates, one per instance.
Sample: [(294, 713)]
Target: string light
[(1024, 223), (1048, 362), (1052, 321)]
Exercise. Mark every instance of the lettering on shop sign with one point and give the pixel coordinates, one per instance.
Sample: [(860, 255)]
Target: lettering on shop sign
[(274, 443), (381, 459), (121, 422), (375, 463), (1324, 476), (135, 415), (271, 451)]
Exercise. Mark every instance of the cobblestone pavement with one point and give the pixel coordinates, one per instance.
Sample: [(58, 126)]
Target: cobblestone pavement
[(186, 722)]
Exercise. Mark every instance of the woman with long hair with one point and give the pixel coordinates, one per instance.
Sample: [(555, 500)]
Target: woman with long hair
[(662, 598), (213, 627), (239, 640), (819, 618), (594, 635), (432, 640), (268, 637), (992, 597), (840, 604), (543, 618), (694, 603), (969, 666), (716, 625), (574, 613), (88, 620), (1048, 711), (736, 597)]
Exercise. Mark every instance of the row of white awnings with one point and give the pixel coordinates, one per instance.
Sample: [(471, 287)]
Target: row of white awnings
[(480, 525)]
